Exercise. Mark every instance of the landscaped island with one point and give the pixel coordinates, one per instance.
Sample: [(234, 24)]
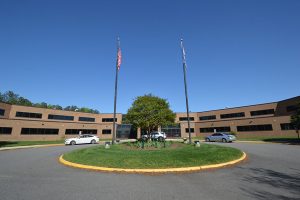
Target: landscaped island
[(175, 155)]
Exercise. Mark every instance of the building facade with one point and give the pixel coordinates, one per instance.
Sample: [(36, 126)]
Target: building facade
[(31, 123), (269, 119)]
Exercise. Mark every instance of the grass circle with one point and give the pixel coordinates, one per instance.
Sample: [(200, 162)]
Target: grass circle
[(120, 156)]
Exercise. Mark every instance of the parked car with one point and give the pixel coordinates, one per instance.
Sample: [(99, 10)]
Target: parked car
[(220, 137), (160, 136), (82, 139)]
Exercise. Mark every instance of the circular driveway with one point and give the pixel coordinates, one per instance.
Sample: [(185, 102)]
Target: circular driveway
[(272, 171)]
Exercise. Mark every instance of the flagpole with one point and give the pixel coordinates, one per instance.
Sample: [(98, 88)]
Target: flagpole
[(185, 89), (116, 92)]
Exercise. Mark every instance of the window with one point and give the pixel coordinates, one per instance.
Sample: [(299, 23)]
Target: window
[(2, 111), (109, 119), (287, 126), (218, 129), (5, 130), (262, 112), (106, 131), (83, 131), (291, 108), (185, 118), (60, 117), (172, 131), (29, 115), (39, 131), (210, 117), (187, 130), (232, 115), (86, 119), (262, 127)]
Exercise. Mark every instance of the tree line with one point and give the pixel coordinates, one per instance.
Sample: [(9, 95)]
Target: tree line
[(13, 98)]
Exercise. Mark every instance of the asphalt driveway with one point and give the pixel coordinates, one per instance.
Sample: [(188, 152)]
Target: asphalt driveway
[(271, 172)]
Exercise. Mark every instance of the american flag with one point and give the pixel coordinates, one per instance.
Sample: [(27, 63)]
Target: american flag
[(119, 58)]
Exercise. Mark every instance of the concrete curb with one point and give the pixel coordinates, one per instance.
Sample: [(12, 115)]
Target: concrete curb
[(30, 146), (151, 171)]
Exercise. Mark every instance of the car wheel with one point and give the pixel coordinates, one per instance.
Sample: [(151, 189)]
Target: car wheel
[(93, 142), (207, 140), (160, 139), (72, 142), (224, 140)]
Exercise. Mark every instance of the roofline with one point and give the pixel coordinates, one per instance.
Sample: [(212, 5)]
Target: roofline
[(56, 109), (244, 106)]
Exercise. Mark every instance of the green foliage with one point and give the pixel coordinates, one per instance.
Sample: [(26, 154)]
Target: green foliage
[(295, 119), (12, 98), (150, 144), (148, 112)]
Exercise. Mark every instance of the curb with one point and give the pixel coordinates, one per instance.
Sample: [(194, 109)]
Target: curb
[(151, 171), (31, 146)]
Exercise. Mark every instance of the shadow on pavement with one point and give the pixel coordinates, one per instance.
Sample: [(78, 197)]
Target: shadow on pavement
[(290, 141), (287, 186)]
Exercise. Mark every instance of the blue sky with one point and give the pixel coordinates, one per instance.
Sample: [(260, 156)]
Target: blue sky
[(64, 52)]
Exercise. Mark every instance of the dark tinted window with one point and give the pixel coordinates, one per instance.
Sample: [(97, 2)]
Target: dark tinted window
[(262, 127), (86, 119), (5, 130), (291, 108), (262, 112), (185, 118), (109, 119), (39, 131), (232, 115), (2, 111), (218, 129), (83, 131), (187, 130), (172, 131), (29, 115), (287, 126), (210, 117), (61, 117), (106, 131)]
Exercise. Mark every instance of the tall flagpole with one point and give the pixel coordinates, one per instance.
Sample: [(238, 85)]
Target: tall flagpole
[(185, 88), (118, 63)]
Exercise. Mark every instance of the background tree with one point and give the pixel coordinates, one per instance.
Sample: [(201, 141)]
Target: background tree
[(295, 120), (148, 112), (13, 98)]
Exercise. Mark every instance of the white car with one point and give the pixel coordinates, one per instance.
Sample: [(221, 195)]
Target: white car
[(160, 136), (82, 139)]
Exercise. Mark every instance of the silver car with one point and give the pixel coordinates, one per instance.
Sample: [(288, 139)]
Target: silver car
[(220, 137)]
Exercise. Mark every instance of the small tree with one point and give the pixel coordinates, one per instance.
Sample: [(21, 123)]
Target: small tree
[(148, 112), (295, 120)]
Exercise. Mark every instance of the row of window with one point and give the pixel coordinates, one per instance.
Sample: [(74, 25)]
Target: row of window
[(5, 130), (83, 131), (51, 131), (231, 115), (2, 111), (29, 115), (57, 117), (173, 131), (248, 128), (213, 129)]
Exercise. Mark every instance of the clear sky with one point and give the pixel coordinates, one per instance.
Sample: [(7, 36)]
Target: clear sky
[(64, 52)]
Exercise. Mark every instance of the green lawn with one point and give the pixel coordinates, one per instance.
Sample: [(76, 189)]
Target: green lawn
[(120, 156), (27, 143)]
